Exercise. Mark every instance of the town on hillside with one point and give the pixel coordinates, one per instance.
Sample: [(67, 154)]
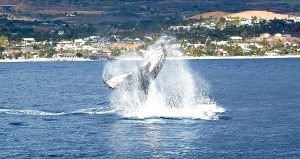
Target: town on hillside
[(249, 33)]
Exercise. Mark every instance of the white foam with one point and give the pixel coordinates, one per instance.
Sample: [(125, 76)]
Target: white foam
[(28, 112), (173, 94)]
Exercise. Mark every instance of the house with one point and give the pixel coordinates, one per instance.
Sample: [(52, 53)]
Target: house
[(92, 39), (61, 32), (79, 42), (278, 35), (178, 28), (194, 45), (245, 47), (220, 43), (264, 36), (65, 42), (27, 42), (236, 38), (273, 52), (294, 19), (65, 56), (287, 35), (70, 15), (247, 22)]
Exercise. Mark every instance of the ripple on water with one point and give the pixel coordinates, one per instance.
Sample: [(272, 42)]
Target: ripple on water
[(17, 124)]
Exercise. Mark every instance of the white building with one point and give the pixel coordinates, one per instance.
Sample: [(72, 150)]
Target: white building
[(278, 35), (178, 28), (264, 36), (245, 47), (247, 22), (236, 38), (28, 42), (61, 32), (79, 42), (271, 53)]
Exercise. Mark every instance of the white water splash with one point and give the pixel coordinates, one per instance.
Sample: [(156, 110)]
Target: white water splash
[(173, 94)]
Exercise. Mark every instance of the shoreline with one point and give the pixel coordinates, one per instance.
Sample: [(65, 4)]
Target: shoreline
[(234, 57), (45, 60), (137, 58)]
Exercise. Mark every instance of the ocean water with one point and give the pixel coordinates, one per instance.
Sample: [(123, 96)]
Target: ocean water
[(63, 110)]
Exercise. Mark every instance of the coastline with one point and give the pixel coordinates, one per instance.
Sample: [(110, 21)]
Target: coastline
[(138, 58), (45, 60), (234, 57)]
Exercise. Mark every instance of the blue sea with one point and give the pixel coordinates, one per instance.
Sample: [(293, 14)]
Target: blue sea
[(62, 110)]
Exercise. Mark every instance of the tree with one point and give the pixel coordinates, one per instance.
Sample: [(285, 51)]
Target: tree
[(198, 52), (3, 41), (17, 55), (1, 56), (79, 54), (1, 50)]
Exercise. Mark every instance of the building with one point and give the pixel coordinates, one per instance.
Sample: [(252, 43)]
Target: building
[(264, 36), (271, 53), (236, 38), (65, 56), (247, 22), (195, 45), (27, 42), (278, 35), (178, 28), (61, 32), (79, 42)]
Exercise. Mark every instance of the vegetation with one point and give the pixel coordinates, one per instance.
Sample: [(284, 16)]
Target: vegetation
[(3, 43), (16, 30), (200, 34)]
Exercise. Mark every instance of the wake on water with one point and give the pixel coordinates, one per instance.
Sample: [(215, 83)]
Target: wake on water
[(173, 94), (31, 112)]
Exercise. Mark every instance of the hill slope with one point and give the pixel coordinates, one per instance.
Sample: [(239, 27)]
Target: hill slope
[(133, 10), (244, 14), (259, 14)]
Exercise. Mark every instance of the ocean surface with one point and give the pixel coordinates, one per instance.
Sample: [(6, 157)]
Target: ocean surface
[(63, 110)]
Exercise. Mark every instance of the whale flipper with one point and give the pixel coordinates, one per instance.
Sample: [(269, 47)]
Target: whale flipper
[(148, 71), (117, 81)]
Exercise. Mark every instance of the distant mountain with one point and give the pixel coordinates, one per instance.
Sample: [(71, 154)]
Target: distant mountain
[(95, 11)]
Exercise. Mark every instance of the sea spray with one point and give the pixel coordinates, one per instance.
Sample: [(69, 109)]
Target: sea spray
[(173, 94)]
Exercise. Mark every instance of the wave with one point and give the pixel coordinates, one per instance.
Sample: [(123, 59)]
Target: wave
[(31, 112), (92, 111)]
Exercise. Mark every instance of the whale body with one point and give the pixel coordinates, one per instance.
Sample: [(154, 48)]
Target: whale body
[(148, 71)]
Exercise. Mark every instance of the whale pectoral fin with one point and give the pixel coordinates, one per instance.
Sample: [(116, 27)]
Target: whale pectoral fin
[(117, 81)]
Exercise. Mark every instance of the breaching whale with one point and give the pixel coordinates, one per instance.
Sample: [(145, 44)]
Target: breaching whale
[(148, 71)]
